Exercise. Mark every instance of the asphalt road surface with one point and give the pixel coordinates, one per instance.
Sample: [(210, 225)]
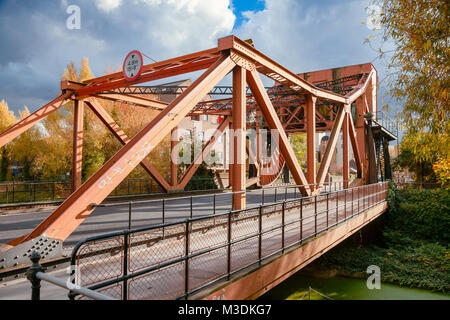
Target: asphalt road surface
[(111, 219)]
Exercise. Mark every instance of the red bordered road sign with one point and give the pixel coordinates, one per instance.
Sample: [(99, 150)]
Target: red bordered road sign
[(132, 66)]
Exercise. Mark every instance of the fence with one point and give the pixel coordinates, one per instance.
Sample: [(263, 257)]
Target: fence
[(41, 191), (385, 121), (191, 203), (176, 260)]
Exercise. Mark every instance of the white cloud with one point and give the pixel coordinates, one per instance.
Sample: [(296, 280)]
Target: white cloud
[(39, 42), (186, 24), (300, 35), (108, 5), (305, 36)]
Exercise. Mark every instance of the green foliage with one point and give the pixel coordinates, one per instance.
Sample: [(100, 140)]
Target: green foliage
[(419, 63), (441, 169), (420, 214), (426, 155), (4, 165), (203, 179), (298, 143), (418, 77), (415, 249)]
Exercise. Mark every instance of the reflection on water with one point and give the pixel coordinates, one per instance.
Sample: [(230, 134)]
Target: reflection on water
[(341, 288)]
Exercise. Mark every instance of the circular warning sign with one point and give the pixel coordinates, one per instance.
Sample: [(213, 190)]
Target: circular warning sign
[(132, 66)]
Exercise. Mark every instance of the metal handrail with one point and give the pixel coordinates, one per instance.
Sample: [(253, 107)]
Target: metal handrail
[(36, 273), (369, 195), (385, 121), (217, 193)]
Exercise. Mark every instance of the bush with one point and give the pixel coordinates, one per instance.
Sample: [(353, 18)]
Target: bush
[(415, 234), (419, 214)]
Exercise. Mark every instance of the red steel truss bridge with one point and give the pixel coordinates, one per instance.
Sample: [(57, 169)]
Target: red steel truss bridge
[(341, 101)]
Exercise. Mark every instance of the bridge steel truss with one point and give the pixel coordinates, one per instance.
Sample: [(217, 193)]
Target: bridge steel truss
[(294, 96)]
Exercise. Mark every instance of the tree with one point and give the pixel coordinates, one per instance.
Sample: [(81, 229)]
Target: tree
[(441, 169), (419, 67), (415, 155), (298, 142), (7, 119), (133, 119), (85, 71), (26, 148)]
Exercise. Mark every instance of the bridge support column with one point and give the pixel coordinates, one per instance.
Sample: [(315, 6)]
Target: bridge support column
[(77, 158), (238, 144), (387, 160), (361, 136), (345, 157), (311, 139)]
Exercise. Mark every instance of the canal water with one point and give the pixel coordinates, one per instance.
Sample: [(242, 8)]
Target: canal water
[(341, 288)]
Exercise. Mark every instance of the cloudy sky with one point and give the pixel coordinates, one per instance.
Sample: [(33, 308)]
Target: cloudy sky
[(36, 43)]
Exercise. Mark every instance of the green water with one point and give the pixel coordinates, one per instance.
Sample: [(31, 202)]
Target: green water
[(341, 288)]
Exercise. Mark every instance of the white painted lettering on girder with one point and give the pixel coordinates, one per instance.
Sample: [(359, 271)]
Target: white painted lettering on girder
[(108, 179)]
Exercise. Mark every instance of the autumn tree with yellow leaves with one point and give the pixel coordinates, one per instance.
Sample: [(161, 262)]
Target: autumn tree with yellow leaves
[(419, 67), (45, 150), (7, 119)]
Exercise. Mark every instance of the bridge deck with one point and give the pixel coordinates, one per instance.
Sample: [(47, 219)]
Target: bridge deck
[(177, 260)]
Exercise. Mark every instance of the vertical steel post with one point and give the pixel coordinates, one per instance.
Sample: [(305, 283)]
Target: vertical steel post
[(129, 215), (283, 208), (301, 219), (239, 122), (125, 266), (191, 208), (164, 210), (315, 215), (345, 149), (260, 234), (229, 246), (327, 208), (186, 261), (77, 158), (310, 122), (31, 276)]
